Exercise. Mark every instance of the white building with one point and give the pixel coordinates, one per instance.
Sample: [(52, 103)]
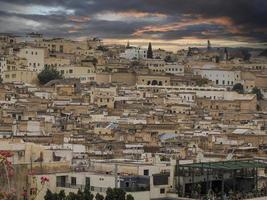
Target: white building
[(220, 77), (35, 57), (134, 53)]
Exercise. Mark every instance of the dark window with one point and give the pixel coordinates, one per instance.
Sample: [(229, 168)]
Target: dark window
[(127, 184), (162, 190), (146, 172), (61, 48), (73, 180), (160, 179), (61, 181), (87, 181)]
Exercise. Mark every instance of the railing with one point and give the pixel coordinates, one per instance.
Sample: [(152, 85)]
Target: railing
[(101, 189), (68, 185)]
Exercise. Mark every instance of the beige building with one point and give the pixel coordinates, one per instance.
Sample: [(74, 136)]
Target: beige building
[(153, 80), (34, 56), (84, 73), (19, 75), (104, 96), (61, 45), (53, 61)]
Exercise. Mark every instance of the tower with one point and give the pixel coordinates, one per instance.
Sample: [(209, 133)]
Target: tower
[(209, 45), (226, 55), (128, 45)]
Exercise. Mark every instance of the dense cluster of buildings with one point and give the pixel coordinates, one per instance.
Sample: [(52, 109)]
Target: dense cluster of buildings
[(184, 125)]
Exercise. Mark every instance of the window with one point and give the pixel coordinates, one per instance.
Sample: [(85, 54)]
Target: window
[(217, 82), (61, 48), (146, 172), (87, 181), (162, 190), (73, 180), (13, 75), (70, 71), (127, 184)]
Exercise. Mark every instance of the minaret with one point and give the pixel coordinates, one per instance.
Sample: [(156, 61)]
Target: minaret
[(128, 45), (226, 55), (209, 45)]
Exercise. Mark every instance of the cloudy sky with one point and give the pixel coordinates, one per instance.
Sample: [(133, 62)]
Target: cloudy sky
[(166, 23)]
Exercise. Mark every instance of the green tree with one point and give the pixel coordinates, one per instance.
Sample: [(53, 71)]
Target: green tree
[(49, 195), (202, 82), (119, 194), (99, 197), (80, 195), (101, 48), (87, 195), (168, 58), (115, 194), (257, 91), (72, 196), (61, 195), (109, 194), (149, 51), (135, 63), (238, 87), (48, 74), (129, 197)]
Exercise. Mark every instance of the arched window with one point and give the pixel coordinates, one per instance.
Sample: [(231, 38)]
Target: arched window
[(154, 82)]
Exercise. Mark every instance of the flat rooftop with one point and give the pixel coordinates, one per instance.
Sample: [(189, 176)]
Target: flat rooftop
[(228, 165)]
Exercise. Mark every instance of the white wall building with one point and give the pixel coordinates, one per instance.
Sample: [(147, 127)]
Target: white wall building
[(35, 57), (134, 53), (220, 77)]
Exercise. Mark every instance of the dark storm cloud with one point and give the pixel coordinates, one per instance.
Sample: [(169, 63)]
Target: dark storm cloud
[(194, 18)]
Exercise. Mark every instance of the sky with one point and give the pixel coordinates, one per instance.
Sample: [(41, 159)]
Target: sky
[(169, 24)]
